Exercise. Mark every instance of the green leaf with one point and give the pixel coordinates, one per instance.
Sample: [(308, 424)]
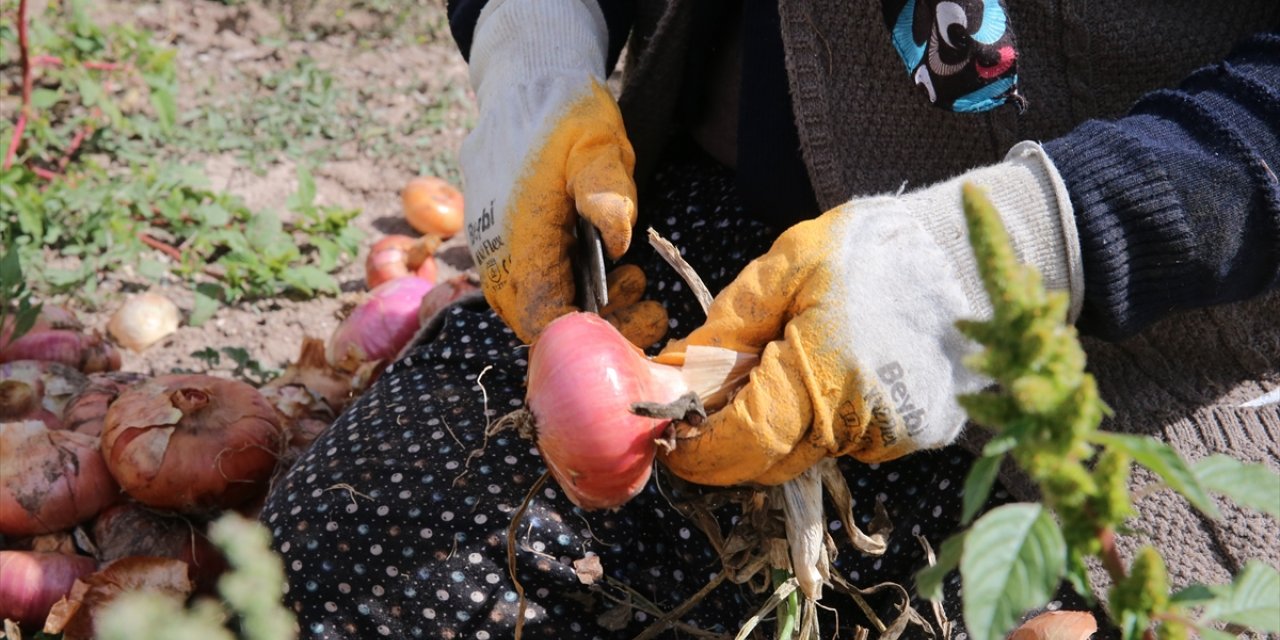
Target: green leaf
[(1166, 463), (44, 98), (207, 297), (977, 485), (306, 194), (929, 580), (1252, 599), (309, 279), (1209, 633), (165, 103), (1252, 485), (1193, 595), (1013, 559), (151, 269)]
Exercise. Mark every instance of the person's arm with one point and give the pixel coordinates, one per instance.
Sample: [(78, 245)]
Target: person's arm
[(618, 15), (853, 314), (1177, 203)]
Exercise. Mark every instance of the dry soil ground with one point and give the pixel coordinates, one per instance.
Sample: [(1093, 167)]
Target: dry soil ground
[(394, 67)]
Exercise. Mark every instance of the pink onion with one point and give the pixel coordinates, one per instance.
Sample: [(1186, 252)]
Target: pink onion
[(192, 442), (51, 316), (31, 581), (379, 327), (583, 378), (86, 352), (49, 480)]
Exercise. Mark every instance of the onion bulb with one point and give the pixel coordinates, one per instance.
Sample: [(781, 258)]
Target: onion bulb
[(380, 326), (87, 410), (53, 384), (584, 378), (49, 480), (130, 530), (143, 320), (192, 443), (432, 205), (396, 256), (51, 316), (87, 352), (31, 581)]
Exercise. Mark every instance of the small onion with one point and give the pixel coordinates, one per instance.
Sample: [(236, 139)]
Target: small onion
[(87, 352), (583, 378), (53, 383), (51, 316), (192, 443), (87, 410), (432, 205), (49, 480), (31, 581), (144, 320), (396, 256), (381, 326)]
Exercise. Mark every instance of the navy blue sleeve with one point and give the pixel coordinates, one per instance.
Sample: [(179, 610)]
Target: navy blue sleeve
[(1177, 203), (618, 16)]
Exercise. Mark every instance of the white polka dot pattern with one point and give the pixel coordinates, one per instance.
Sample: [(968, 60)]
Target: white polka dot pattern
[(391, 527)]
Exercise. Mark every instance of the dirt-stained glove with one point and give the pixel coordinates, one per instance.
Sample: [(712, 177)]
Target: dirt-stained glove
[(854, 316), (549, 146)]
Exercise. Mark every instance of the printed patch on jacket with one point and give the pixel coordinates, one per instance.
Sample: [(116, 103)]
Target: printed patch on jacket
[(961, 53)]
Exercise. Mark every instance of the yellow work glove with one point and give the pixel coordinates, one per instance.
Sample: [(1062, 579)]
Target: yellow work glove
[(853, 315), (549, 146)]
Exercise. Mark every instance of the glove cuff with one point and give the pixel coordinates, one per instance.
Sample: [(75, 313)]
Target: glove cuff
[(522, 41), (1036, 210)]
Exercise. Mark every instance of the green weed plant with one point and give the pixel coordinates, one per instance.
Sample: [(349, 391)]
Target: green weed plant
[(96, 183), (1045, 411)]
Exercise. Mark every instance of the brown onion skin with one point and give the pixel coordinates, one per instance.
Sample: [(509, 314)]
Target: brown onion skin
[(87, 411), (50, 480), (129, 529), (54, 383), (31, 581), (192, 443)]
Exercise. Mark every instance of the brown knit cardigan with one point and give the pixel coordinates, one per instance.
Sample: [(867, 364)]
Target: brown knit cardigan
[(865, 129)]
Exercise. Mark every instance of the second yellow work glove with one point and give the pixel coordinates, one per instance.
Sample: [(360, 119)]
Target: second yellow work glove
[(853, 315), (549, 146)]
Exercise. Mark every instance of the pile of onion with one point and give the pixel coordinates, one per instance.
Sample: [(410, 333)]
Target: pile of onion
[(49, 480), (58, 336), (584, 378), (192, 443), (433, 206)]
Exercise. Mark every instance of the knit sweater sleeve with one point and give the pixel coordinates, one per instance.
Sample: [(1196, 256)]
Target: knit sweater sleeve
[(618, 16), (1177, 203)]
